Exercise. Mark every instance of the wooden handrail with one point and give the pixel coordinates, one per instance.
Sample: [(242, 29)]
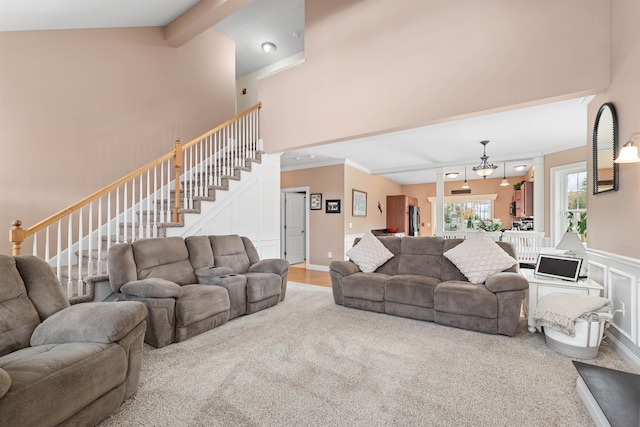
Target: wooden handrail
[(17, 234)]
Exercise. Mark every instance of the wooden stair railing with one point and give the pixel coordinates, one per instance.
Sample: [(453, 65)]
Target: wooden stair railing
[(152, 193)]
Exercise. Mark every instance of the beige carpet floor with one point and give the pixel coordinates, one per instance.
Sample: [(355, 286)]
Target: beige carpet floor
[(309, 362)]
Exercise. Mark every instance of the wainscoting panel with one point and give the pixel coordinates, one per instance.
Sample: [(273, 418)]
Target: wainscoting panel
[(620, 277), (242, 209)]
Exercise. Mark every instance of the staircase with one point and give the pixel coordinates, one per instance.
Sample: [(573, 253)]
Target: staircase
[(143, 204)]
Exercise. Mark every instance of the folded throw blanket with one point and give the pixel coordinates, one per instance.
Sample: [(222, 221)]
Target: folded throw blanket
[(560, 311)]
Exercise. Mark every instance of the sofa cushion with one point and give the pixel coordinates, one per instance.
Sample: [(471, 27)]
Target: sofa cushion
[(43, 287), (43, 377), (166, 258), (199, 302), (465, 298), (229, 251), (479, 257), (200, 252), (369, 253), (411, 289), (366, 286), (421, 255), (18, 316)]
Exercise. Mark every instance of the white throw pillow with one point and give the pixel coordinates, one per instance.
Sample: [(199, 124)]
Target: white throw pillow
[(479, 257), (369, 253)]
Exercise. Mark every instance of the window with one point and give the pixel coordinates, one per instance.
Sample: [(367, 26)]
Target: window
[(568, 195), (461, 211)]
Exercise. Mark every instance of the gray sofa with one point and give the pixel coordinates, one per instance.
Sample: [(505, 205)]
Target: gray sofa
[(62, 364), (195, 284), (419, 282)]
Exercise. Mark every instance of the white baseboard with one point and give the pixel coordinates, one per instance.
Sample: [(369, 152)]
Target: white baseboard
[(623, 351), (318, 267)]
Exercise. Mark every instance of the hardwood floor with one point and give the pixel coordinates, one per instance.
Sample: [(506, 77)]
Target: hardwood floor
[(298, 273)]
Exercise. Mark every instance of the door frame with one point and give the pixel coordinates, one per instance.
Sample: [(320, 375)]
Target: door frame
[(306, 219)]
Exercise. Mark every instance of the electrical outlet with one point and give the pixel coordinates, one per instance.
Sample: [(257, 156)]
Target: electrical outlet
[(329, 255)]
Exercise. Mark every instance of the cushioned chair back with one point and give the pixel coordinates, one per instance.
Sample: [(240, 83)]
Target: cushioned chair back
[(200, 252), (229, 251), (165, 258), (421, 255), (29, 293)]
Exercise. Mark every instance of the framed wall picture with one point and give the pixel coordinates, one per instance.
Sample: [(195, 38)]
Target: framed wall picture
[(333, 206), (315, 203), (359, 203)]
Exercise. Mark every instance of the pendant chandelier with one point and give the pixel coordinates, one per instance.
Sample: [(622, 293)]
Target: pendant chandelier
[(465, 184), (504, 182), (484, 169)]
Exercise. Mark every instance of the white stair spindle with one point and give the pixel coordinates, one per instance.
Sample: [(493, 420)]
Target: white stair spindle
[(46, 244), (140, 207), (59, 252), (79, 256), (34, 249), (69, 250), (148, 197), (90, 239), (155, 201)]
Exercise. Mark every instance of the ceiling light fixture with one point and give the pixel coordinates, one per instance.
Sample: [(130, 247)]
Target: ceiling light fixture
[(451, 175), (465, 184), (268, 47), (504, 182), (629, 152), (520, 167), (484, 169)]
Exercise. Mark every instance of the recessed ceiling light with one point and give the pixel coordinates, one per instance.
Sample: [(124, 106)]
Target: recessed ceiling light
[(268, 47), (451, 174), (520, 167)]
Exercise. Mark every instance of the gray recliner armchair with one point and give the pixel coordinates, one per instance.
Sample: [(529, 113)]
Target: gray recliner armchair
[(62, 364)]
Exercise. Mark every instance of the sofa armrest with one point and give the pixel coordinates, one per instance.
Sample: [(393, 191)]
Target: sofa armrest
[(98, 322), (346, 268), (152, 288), (274, 265), (506, 281), (5, 382)]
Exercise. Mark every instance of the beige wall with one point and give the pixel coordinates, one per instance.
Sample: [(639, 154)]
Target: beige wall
[(613, 224), (81, 108), (377, 189), (372, 66), (325, 230)]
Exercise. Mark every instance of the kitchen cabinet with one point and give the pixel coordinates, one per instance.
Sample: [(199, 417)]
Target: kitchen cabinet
[(403, 215), (523, 200)]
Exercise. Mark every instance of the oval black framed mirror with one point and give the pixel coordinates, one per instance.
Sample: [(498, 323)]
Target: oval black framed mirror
[(605, 147)]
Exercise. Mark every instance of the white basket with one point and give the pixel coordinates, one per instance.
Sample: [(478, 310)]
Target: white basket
[(586, 342)]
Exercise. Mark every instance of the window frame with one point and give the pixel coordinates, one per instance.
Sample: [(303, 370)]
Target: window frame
[(464, 198), (558, 199)]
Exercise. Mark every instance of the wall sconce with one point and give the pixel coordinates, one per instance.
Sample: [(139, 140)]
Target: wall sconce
[(484, 169), (629, 152)]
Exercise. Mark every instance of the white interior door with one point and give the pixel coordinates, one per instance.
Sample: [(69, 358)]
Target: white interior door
[(294, 227)]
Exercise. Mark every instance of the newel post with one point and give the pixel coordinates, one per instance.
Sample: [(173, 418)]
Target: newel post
[(177, 163), (16, 236)]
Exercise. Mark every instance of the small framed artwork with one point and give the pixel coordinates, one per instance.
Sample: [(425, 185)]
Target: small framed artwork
[(333, 206), (315, 202), (359, 203)]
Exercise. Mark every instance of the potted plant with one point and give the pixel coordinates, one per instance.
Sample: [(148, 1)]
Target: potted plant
[(581, 225)]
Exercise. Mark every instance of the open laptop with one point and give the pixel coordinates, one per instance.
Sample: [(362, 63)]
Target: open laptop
[(559, 267)]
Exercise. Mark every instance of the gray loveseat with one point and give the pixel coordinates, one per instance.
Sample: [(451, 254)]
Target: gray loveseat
[(195, 284), (419, 282), (62, 364)]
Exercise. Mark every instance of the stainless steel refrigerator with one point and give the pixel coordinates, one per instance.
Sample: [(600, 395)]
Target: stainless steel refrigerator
[(414, 221)]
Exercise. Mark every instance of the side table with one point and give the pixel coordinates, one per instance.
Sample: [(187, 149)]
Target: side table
[(541, 285)]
